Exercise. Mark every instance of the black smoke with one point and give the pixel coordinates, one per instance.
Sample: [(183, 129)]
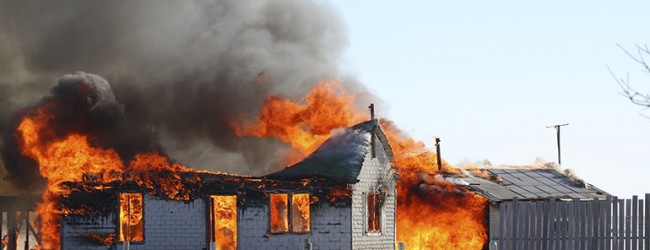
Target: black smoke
[(179, 70)]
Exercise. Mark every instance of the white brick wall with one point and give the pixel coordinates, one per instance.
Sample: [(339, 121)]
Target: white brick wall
[(373, 170), (177, 225), (330, 229), (168, 224)]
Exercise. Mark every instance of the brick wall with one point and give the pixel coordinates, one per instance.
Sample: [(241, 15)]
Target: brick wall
[(167, 225), (373, 170), (330, 229)]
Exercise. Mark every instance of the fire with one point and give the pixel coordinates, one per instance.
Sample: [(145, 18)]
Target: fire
[(304, 124), (67, 157), (279, 213), (131, 227), (59, 160), (433, 213), (224, 221), (454, 217), (300, 216)]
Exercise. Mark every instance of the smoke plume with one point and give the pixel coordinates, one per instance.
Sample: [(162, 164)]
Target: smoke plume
[(179, 72)]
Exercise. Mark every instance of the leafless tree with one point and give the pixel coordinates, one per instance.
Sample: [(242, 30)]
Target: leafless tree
[(632, 93)]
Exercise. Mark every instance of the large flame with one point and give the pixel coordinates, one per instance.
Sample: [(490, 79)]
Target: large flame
[(67, 157), (304, 124), (431, 212), (453, 217)]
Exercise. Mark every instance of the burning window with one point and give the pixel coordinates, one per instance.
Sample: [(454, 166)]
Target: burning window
[(300, 218), (279, 213), (224, 221), (131, 222), (374, 212)]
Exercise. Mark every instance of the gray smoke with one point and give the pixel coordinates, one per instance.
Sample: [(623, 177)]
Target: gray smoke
[(180, 70)]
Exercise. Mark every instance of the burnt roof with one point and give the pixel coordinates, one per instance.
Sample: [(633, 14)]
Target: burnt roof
[(340, 157), (531, 184)]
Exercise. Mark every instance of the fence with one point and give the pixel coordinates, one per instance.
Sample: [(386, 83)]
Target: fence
[(574, 224)]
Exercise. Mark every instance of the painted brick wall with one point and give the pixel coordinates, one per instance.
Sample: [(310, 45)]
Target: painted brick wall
[(373, 170), (330, 229), (167, 225)]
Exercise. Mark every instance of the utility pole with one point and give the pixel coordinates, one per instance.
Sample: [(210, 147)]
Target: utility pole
[(557, 128)]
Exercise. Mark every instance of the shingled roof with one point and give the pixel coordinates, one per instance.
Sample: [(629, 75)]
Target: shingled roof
[(340, 157), (531, 184)]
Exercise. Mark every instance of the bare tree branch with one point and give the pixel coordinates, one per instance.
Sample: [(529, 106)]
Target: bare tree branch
[(631, 93)]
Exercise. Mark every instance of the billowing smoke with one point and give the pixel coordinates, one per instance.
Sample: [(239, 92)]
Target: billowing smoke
[(179, 72)]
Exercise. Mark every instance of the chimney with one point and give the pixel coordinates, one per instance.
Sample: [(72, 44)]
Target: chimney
[(372, 135), (438, 157)]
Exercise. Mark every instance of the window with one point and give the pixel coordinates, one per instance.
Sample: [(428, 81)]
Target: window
[(300, 217), (374, 212), (131, 218), (297, 212), (223, 221)]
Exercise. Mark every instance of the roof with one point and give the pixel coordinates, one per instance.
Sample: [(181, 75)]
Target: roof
[(340, 157), (531, 184)]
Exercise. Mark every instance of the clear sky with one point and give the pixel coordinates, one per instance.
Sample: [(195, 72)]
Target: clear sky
[(489, 76)]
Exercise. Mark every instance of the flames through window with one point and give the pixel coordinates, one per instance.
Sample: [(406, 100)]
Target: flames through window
[(131, 217), (224, 222), (374, 212), (297, 212)]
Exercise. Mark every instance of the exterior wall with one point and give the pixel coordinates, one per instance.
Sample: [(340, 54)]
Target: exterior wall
[(373, 170), (167, 225), (178, 225), (330, 229), (493, 224)]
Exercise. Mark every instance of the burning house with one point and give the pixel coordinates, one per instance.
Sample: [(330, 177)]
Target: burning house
[(342, 196)]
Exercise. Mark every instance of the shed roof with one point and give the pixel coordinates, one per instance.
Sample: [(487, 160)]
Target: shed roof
[(531, 184), (340, 157)]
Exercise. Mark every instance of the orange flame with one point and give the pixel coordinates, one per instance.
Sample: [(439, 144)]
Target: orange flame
[(66, 158), (224, 221), (131, 227), (433, 213), (304, 124), (279, 213), (454, 217), (300, 216)]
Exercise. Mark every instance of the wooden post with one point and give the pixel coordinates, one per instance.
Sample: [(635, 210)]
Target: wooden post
[(557, 129), (2, 213), (515, 214), (642, 225), (27, 230), (586, 225), (545, 230), (646, 240), (596, 216), (635, 222), (621, 224), (539, 235), (502, 214), (11, 229), (608, 222), (628, 224)]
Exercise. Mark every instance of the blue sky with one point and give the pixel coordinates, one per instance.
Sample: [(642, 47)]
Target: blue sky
[(488, 77)]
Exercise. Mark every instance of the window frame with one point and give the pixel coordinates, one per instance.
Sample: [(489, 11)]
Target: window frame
[(289, 214), (119, 222), (379, 198), (212, 222)]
